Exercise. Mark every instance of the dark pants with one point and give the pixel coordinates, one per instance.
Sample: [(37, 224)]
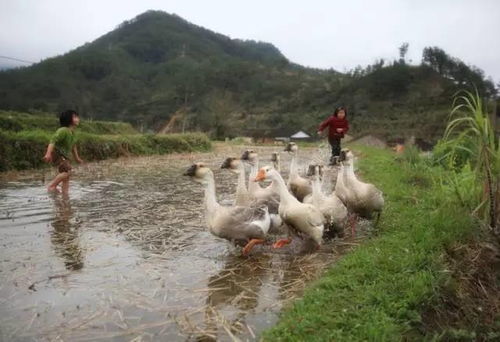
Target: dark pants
[(335, 144)]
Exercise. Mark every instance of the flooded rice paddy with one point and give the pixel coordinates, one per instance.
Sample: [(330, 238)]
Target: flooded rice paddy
[(127, 257)]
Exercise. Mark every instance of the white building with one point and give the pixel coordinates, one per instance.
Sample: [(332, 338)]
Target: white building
[(300, 135)]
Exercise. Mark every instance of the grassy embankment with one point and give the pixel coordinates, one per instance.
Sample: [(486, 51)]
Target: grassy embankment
[(400, 284), (24, 138)]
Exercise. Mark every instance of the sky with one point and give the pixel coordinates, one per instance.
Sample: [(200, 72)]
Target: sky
[(322, 34)]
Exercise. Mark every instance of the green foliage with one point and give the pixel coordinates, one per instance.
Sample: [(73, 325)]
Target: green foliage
[(16, 121), (22, 150), (411, 155), (378, 291), (403, 50), (463, 185), (25, 149), (470, 138), (443, 152), (466, 76), (390, 82)]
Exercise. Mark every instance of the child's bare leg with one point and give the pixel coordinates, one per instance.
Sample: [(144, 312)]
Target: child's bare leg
[(65, 185), (58, 179)]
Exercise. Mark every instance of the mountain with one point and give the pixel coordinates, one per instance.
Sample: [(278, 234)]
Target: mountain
[(158, 66), (144, 71)]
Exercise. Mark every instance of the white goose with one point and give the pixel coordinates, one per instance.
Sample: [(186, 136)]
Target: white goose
[(340, 189), (332, 208), (299, 186), (364, 199), (239, 224), (301, 217), (243, 196), (235, 165), (270, 192)]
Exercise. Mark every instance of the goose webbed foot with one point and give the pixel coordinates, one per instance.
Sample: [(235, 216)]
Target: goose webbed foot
[(281, 243), (249, 246)]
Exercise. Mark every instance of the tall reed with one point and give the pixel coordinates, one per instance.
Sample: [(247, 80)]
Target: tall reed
[(470, 132)]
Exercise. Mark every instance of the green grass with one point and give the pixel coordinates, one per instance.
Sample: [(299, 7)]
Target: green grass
[(25, 149), (378, 291), (16, 122), (24, 138)]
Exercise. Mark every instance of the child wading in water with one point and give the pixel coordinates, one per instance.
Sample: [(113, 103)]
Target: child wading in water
[(60, 146), (338, 126)]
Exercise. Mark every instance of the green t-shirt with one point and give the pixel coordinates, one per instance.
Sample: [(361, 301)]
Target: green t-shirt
[(63, 139)]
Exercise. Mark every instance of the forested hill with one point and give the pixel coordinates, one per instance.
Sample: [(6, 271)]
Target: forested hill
[(158, 65)]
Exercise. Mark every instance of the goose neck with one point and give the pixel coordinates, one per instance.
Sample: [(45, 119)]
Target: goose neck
[(277, 165), (293, 164), (241, 176), (282, 189), (316, 189), (350, 168), (254, 169), (210, 200)]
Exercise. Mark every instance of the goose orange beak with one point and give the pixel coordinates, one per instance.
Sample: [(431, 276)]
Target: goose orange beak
[(261, 175)]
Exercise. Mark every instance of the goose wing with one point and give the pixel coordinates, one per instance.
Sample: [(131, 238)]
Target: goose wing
[(242, 231), (303, 217), (272, 203), (243, 223), (247, 214), (314, 216)]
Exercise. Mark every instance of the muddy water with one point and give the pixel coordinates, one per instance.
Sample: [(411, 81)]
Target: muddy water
[(127, 256)]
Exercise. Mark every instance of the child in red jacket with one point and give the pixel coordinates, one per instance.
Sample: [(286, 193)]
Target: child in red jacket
[(338, 126)]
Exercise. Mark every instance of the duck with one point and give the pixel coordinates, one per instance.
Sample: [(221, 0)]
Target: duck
[(331, 206), (363, 199), (302, 218), (235, 165), (242, 225), (299, 186)]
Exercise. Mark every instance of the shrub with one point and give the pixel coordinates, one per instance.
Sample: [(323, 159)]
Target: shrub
[(25, 149), (16, 122)]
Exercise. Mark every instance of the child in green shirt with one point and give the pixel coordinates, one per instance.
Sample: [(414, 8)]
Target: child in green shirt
[(60, 146)]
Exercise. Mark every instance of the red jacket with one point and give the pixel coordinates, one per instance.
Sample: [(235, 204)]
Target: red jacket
[(333, 123)]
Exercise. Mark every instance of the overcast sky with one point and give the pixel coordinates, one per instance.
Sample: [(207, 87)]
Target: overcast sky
[(323, 34)]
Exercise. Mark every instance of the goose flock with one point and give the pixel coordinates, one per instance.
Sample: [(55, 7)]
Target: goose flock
[(298, 207)]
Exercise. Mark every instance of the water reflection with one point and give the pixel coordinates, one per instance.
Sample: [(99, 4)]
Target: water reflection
[(233, 293), (297, 271), (64, 237), (241, 293)]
